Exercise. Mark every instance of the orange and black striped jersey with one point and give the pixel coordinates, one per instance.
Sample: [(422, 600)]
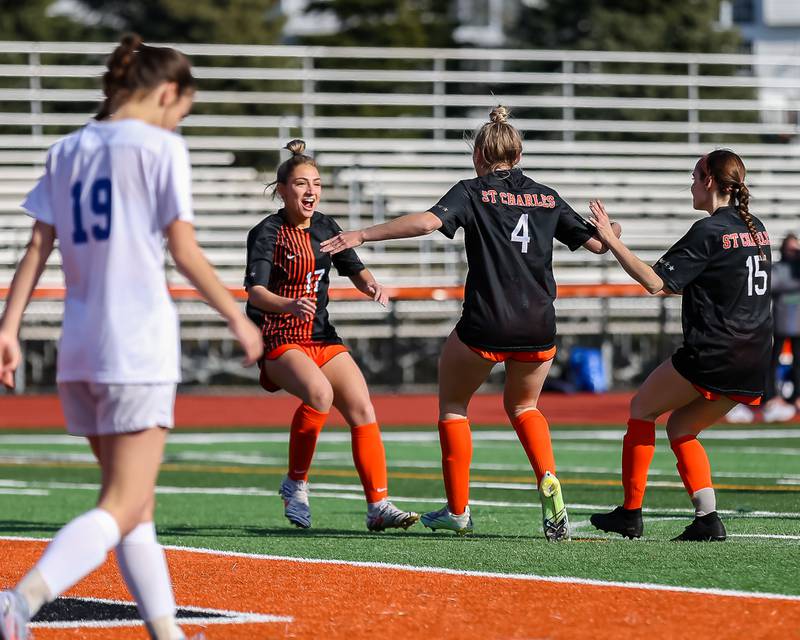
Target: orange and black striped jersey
[(288, 262)]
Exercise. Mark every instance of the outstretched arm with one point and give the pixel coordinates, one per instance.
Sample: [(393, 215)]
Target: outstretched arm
[(26, 276), (192, 263), (640, 271), (596, 245), (407, 226)]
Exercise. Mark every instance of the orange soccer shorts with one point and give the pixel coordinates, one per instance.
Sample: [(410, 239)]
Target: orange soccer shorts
[(319, 352), (519, 356), (753, 401)]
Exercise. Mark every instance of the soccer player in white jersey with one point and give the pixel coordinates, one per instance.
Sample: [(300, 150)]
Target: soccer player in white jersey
[(111, 192)]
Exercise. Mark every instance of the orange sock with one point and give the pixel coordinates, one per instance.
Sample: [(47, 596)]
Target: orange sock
[(370, 460), (534, 434), (638, 447), (693, 465), (455, 439), (306, 425)]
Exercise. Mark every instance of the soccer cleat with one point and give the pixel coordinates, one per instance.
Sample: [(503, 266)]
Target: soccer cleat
[(384, 515), (707, 528), (295, 502), (778, 411), (443, 519), (626, 522), (555, 522), (14, 616), (740, 414)]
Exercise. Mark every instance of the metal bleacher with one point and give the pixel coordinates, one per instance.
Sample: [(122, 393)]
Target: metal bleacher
[(386, 126)]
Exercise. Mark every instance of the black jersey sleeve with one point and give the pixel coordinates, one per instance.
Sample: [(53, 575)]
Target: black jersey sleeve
[(260, 251), (571, 229), (347, 262), (686, 259), (454, 209)]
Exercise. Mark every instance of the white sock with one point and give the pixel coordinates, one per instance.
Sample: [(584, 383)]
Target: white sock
[(143, 564), (704, 501), (77, 550), (33, 588)]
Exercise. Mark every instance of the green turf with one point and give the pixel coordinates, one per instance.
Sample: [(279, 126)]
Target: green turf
[(763, 474)]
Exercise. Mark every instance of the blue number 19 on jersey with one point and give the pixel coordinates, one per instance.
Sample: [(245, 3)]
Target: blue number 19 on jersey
[(101, 206)]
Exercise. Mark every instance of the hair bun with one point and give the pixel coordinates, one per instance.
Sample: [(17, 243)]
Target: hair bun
[(499, 115), (296, 147)]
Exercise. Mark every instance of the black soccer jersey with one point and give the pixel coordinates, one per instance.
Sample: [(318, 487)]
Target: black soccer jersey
[(509, 224), (287, 261), (727, 325)]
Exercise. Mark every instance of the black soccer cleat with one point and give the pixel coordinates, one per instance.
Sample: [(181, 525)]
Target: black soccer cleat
[(707, 528), (626, 522)]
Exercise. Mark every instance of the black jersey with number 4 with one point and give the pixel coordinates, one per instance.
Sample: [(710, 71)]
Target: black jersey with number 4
[(727, 324), (509, 224)]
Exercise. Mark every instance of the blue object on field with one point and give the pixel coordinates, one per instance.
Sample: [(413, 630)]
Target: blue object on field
[(587, 367)]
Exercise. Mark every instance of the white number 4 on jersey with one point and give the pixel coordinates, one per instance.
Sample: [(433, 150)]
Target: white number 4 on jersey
[(520, 233)]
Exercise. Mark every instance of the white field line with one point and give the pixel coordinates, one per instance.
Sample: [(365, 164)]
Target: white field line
[(431, 435), (354, 492), (521, 577), (323, 459), (228, 617)]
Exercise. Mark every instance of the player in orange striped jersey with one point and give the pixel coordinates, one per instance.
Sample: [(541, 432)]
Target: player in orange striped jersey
[(287, 282)]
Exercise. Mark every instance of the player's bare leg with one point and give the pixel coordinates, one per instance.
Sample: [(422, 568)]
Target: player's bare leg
[(524, 382), (351, 398), (298, 374), (461, 373), (683, 426)]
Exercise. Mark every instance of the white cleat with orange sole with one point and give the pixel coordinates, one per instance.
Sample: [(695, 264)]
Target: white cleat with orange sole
[(14, 617)]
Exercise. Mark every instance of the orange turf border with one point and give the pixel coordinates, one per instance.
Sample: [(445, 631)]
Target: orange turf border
[(343, 600)]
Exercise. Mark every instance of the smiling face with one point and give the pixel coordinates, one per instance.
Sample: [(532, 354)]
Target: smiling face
[(301, 193)]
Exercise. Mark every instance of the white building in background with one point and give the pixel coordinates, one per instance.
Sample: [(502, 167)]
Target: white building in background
[(771, 28), (299, 23)]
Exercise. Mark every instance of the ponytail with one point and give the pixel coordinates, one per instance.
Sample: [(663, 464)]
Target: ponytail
[(134, 66), (728, 172)]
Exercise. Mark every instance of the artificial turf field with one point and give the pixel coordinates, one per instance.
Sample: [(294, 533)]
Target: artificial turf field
[(218, 492)]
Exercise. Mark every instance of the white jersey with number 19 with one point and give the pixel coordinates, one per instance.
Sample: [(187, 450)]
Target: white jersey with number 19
[(110, 190)]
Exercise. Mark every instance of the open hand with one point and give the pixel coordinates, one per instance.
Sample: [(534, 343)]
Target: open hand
[(345, 240), (249, 337), (10, 357), (378, 293), (303, 308), (606, 229)]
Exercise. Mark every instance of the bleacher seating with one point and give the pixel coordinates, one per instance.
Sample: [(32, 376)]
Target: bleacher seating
[(368, 179)]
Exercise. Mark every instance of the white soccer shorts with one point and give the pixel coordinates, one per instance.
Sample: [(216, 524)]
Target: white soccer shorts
[(96, 409)]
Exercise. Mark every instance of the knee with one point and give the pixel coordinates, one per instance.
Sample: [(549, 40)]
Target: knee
[(452, 410), (360, 413), (319, 396), (639, 409), (515, 409), (127, 517)]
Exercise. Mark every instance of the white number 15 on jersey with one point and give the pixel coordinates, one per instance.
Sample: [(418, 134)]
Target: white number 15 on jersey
[(520, 233)]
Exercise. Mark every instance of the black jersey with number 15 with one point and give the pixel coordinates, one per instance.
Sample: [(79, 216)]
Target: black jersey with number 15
[(727, 324), (509, 224)]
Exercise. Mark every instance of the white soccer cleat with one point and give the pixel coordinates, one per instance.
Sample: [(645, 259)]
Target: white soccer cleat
[(295, 502), (740, 414), (778, 411), (443, 519), (555, 522), (14, 616), (384, 515)]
